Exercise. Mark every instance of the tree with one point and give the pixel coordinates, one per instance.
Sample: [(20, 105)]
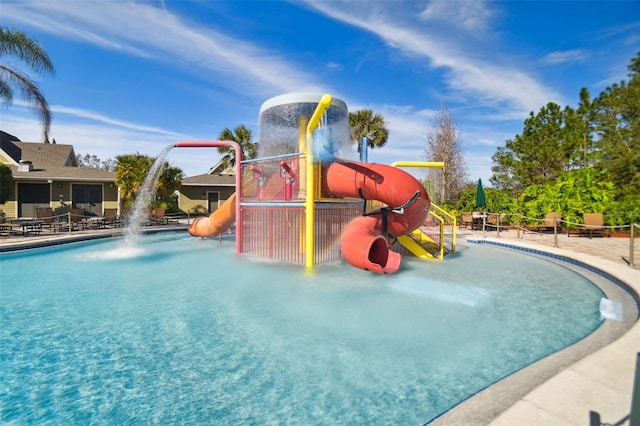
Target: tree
[(131, 172), (28, 50), (366, 123), (603, 133), (444, 144), (578, 133), (241, 135), (93, 161), (169, 180), (618, 123), (6, 183), (537, 156)]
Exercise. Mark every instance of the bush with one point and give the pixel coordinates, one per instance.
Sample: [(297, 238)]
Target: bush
[(574, 193)]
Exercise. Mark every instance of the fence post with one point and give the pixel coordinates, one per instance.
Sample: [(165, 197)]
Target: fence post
[(631, 244), (484, 222), (555, 232), (634, 415), (69, 221)]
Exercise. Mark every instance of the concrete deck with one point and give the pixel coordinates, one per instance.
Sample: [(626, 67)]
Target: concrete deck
[(601, 381)]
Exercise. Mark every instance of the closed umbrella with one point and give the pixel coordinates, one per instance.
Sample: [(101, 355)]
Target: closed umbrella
[(480, 199)]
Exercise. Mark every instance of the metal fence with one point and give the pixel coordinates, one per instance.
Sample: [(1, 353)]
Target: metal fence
[(615, 242)]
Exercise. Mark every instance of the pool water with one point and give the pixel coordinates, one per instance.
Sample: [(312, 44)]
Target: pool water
[(183, 330)]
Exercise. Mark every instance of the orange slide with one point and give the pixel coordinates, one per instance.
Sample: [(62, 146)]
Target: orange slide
[(363, 244), (218, 222)]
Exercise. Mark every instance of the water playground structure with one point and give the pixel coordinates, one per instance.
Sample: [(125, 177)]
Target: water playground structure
[(304, 202)]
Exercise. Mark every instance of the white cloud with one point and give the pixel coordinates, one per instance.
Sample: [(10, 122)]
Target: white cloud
[(143, 30), (100, 118), (566, 56), (95, 134), (502, 86), (472, 16)]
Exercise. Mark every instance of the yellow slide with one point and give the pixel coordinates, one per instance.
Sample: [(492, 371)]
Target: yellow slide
[(413, 242), (218, 222)]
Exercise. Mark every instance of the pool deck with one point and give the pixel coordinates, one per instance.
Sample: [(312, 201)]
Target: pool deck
[(601, 382)]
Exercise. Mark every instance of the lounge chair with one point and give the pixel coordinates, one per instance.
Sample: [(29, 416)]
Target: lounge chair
[(593, 224), (548, 225)]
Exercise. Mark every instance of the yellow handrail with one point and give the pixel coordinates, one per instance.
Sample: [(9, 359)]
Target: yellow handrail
[(432, 164), (452, 219)]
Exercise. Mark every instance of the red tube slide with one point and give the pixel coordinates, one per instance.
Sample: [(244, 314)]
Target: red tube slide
[(363, 244), (218, 222)]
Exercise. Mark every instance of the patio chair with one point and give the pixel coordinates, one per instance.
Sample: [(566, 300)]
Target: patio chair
[(7, 227), (593, 224), (111, 218), (466, 220), (494, 220), (77, 219), (547, 225), (157, 216), (47, 219)]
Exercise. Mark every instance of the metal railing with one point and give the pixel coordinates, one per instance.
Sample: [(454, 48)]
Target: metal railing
[(557, 228)]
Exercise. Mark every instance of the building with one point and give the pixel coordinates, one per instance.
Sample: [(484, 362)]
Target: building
[(205, 193), (47, 175)]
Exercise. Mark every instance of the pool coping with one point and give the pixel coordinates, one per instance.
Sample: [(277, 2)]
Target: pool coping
[(599, 381), (49, 240)]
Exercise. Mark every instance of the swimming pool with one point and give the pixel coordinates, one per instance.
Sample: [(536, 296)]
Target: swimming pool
[(184, 330)]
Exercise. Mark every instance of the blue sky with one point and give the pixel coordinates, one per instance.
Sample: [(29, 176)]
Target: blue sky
[(138, 76)]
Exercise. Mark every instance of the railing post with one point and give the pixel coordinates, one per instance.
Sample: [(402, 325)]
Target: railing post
[(484, 222), (69, 221), (555, 232), (631, 244), (634, 416), (498, 225)]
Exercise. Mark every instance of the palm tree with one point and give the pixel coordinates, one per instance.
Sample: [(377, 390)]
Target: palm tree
[(241, 135), (130, 173), (170, 179), (366, 123), (28, 50)]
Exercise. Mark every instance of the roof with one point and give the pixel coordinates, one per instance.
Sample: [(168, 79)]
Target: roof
[(65, 173), (10, 148), (219, 179), (221, 168), (49, 161), (47, 155)]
